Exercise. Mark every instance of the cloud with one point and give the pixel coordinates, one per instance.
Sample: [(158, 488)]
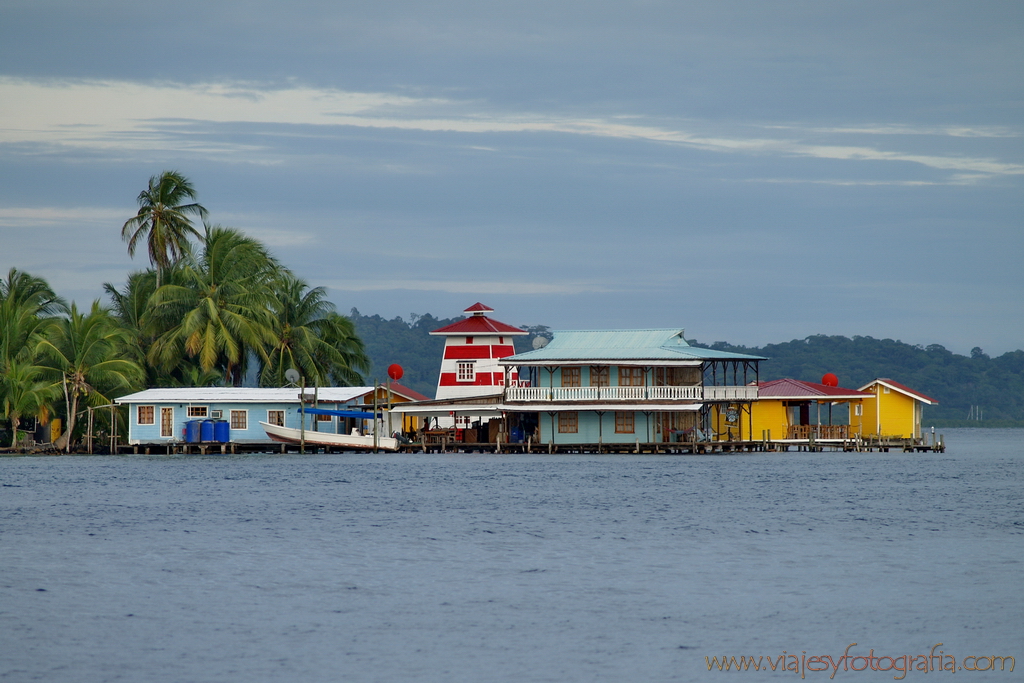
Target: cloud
[(123, 116), (470, 287), (33, 217)]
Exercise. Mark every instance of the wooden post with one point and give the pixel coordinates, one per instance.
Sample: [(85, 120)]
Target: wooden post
[(90, 431), (376, 388)]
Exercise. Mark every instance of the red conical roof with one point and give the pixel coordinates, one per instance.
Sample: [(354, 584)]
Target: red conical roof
[(477, 323)]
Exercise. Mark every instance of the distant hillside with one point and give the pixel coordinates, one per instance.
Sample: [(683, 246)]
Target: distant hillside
[(995, 385)]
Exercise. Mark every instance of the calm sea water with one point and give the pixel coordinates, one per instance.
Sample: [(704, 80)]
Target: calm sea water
[(507, 567)]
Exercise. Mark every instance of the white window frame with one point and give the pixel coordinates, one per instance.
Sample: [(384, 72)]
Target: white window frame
[(198, 411), (858, 410), (245, 418), (170, 424), (271, 415), (152, 419), (465, 371)]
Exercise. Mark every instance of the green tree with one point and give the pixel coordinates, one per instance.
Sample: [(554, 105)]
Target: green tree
[(24, 391), (26, 307), (85, 354), (217, 309), (163, 220), (311, 337)]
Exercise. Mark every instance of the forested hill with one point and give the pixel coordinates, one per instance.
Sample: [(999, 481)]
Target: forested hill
[(995, 385)]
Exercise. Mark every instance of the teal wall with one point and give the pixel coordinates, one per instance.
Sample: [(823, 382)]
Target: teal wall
[(591, 432)]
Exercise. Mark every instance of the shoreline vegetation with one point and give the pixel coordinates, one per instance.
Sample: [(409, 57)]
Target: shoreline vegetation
[(216, 308)]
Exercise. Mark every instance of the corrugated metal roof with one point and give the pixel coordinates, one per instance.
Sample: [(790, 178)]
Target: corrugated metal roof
[(610, 345), (479, 324), (796, 389), (240, 395)]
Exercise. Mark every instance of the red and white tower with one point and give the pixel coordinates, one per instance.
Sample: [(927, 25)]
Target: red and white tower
[(472, 348)]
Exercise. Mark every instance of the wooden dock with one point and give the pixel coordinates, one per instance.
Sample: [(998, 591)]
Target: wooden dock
[(936, 444)]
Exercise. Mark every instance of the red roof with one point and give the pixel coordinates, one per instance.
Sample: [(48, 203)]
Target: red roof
[(401, 390), (406, 392), (478, 323), (902, 389), (797, 390)]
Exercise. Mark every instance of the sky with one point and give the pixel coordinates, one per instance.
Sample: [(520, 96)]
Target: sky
[(752, 172)]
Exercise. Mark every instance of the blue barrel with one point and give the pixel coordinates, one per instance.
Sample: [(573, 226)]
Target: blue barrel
[(206, 430), (192, 431), (221, 431)]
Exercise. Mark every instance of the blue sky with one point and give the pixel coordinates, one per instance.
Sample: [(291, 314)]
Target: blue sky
[(754, 172)]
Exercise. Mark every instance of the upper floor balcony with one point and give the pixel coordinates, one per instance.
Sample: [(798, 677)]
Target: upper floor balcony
[(629, 393)]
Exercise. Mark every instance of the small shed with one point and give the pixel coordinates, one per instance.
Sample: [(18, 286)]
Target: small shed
[(893, 409)]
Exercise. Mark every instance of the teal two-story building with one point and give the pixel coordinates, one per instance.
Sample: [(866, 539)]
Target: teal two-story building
[(591, 387), (629, 386)]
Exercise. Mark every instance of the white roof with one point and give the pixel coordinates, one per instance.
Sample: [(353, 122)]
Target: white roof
[(241, 395)]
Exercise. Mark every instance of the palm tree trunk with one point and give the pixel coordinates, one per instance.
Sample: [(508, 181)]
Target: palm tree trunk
[(72, 413), (64, 440), (15, 422)]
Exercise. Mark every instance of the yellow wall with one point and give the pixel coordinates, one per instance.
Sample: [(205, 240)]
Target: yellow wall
[(773, 415), (739, 429), (893, 412)]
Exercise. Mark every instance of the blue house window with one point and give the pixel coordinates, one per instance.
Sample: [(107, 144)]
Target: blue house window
[(145, 415)]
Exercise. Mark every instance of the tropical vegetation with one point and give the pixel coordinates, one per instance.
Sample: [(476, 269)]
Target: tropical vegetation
[(215, 307)]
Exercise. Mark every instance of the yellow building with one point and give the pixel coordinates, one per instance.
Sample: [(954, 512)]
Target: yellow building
[(892, 409), (794, 409)]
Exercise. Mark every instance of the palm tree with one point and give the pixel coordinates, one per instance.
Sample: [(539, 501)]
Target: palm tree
[(163, 220), (25, 391), (311, 337), (26, 305), (85, 354), (217, 309), (22, 288)]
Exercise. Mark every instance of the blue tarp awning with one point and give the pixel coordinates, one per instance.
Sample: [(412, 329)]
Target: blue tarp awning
[(358, 414)]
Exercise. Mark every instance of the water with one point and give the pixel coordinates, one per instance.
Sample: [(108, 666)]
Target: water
[(506, 567)]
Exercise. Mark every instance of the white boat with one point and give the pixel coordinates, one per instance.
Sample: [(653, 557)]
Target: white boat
[(354, 440)]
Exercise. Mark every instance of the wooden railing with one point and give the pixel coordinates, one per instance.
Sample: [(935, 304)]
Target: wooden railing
[(663, 393), (731, 393), (819, 431)]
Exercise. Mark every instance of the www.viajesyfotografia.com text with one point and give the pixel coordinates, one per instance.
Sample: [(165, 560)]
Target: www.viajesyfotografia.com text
[(901, 664)]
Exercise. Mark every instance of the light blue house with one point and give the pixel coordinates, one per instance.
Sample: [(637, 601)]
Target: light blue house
[(630, 386), (158, 416)]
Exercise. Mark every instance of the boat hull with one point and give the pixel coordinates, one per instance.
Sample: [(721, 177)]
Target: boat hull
[(352, 441)]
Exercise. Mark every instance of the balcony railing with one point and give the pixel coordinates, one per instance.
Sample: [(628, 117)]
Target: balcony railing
[(672, 393)]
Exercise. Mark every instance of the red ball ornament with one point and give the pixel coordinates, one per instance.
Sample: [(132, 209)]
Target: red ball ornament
[(830, 380), (395, 371)]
